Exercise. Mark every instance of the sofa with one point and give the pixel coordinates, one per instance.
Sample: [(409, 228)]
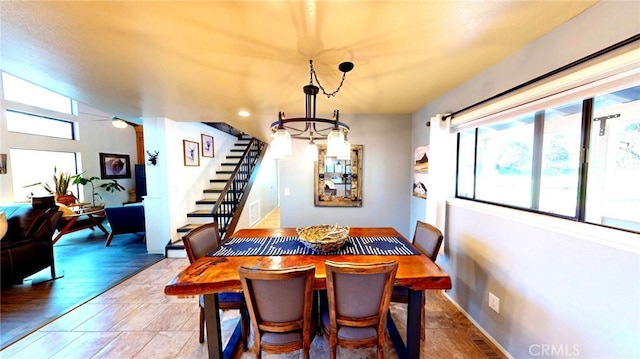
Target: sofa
[(26, 247)]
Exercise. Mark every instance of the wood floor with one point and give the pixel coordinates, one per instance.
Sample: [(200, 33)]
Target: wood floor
[(85, 267), (136, 320)]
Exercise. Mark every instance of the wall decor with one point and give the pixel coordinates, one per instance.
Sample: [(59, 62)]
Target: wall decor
[(421, 159), (420, 184), (191, 153), (3, 163), (338, 181), (207, 145), (114, 166), (153, 158)]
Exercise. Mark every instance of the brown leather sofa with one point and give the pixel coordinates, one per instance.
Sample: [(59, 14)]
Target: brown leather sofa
[(27, 248)]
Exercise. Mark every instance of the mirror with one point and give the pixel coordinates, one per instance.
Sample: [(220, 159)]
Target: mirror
[(338, 182)]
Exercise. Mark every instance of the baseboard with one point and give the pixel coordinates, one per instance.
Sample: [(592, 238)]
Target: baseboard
[(484, 332)]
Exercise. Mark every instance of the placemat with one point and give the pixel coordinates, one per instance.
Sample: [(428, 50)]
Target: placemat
[(282, 246)]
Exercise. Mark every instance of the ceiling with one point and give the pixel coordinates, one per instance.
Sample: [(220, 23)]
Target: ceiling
[(206, 60)]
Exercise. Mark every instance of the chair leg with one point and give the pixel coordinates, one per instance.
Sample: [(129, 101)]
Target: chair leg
[(333, 346), (109, 238), (201, 338), (244, 327), (423, 334)]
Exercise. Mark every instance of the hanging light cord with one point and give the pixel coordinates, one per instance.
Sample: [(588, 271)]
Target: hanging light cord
[(313, 75)]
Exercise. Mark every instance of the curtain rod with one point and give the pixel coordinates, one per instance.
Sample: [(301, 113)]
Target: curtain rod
[(596, 54)]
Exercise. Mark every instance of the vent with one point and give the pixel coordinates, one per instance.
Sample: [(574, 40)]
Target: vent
[(486, 349), (254, 212)]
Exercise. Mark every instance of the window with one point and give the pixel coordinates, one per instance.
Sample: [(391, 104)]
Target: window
[(39, 125), (18, 90), (536, 161), (613, 193), (33, 166)]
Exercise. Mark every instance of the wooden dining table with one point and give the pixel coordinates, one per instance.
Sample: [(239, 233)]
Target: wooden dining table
[(211, 275)]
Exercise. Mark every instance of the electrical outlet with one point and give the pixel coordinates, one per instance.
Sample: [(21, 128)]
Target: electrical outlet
[(494, 302)]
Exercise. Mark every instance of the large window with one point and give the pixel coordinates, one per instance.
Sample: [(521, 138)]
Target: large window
[(544, 160), (613, 190), (18, 90), (32, 166), (39, 125)]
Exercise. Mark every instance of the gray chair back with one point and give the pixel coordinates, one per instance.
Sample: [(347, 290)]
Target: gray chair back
[(428, 239), (201, 240), (358, 301), (280, 304)]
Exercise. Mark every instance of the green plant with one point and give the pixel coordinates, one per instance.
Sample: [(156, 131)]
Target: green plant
[(112, 186), (61, 182), (79, 179)]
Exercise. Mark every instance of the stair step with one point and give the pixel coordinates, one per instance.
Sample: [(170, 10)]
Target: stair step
[(204, 213), (187, 227), (217, 180), (234, 157), (236, 150), (229, 164), (230, 172), (210, 201)]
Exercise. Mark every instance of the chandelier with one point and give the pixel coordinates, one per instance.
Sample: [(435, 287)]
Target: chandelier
[(310, 127)]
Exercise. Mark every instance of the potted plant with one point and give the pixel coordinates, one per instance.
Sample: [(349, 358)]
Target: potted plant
[(112, 186), (60, 189), (79, 179)]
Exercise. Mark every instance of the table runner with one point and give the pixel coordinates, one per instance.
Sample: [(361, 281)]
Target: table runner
[(282, 246)]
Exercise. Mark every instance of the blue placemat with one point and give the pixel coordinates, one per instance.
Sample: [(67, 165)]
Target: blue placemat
[(282, 246)]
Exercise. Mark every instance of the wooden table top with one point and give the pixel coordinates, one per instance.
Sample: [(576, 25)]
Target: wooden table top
[(220, 274)]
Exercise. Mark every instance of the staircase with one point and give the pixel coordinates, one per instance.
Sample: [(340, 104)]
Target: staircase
[(224, 200)]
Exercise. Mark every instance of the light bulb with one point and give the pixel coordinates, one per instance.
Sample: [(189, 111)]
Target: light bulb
[(281, 143)]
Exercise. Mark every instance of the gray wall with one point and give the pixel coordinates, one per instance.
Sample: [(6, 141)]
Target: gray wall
[(568, 287), (386, 180)]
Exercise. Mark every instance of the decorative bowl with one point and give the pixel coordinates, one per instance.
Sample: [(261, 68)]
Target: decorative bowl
[(323, 237)]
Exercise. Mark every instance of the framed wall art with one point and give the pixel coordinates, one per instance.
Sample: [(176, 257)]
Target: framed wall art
[(191, 153), (207, 145), (421, 159), (3, 163), (114, 166), (420, 185)]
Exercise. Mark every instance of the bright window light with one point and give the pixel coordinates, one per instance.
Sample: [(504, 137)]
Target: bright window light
[(18, 90)]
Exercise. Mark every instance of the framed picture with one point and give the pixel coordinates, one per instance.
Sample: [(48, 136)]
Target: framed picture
[(421, 159), (420, 185), (191, 153), (207, 146), (3, 163), (114, 166)]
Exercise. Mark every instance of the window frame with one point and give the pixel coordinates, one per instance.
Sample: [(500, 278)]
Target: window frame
[(581, 190)]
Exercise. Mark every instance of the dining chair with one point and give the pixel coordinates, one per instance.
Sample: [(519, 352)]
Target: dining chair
[(281, 306), (197, 243), (428, 239), (358, 300)]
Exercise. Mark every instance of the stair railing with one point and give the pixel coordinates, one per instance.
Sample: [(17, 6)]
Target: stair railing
[(226, 212)]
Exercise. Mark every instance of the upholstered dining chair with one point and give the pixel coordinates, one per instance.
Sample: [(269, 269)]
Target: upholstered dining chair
[(197, 243), (428, 239), (358, 301), (281, 306)]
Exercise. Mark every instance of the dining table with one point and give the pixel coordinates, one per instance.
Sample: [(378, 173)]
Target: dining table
[(277, 248)]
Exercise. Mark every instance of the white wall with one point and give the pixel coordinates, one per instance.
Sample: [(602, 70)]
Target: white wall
[(386, 182), (172, 187), (264, 190), (566, 286), (93, 137)]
